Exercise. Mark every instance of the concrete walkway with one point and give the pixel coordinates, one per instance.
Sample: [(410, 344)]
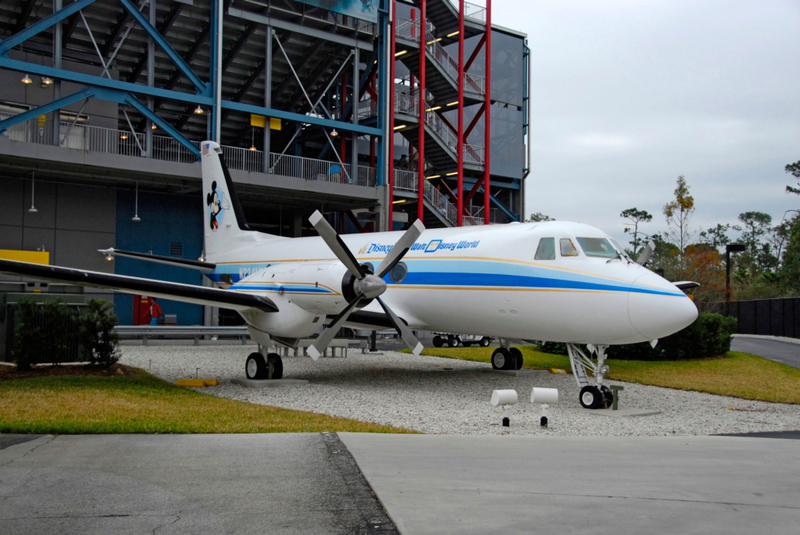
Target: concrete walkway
[(308, 483), (625, 486)]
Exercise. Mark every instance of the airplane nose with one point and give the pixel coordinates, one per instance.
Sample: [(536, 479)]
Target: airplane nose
[(657, 308)]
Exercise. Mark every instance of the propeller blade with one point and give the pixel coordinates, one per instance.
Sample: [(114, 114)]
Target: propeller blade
[(327, 334), (336, 244), (644, 256), (400, 248), (408, 337)]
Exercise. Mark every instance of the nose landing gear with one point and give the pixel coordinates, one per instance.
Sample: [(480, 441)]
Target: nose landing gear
[(597, 396)]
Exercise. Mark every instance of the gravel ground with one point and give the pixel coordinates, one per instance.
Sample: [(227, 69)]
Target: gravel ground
[(447, 396)]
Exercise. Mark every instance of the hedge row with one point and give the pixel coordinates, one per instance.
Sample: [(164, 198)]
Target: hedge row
[(56, 333), (708, 336)]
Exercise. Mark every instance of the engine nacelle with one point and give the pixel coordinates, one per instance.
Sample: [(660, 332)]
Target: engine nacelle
[(305, 293)]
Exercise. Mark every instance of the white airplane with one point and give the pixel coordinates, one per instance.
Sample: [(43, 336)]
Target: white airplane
[(553, 281)]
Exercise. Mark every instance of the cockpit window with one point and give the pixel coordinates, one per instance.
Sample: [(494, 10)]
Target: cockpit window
[(598, 247), (546, 249), (567, 249)]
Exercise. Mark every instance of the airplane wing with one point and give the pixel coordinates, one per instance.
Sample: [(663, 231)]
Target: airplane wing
[(188, 293), (169, 260)]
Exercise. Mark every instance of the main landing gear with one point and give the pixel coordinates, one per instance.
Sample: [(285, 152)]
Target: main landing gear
[(592, 396), (507, 358), (257, 367)]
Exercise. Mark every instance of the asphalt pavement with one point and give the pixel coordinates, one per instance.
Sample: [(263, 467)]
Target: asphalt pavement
[(101, 484), (309, 483), (783, 350)]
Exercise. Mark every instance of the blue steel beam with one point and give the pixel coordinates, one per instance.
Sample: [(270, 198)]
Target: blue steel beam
[(122, 97), (45, 23), (45, 108), (300, 118), (201, 86), (110, 95), (86, 79)]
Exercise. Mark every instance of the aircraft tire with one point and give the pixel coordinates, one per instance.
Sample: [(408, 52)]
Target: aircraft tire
[(501, 359), (274, 360), (437, 341), (485, 341), (517, 354), (591, 397), (256, 366), (453, 341)]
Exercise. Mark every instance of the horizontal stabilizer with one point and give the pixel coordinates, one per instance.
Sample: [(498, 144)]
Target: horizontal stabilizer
[(159, 259), (188, 293)]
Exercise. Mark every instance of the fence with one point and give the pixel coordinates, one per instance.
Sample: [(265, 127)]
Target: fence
[(165, 148), (409, 29), (770, 317), (408, 103)]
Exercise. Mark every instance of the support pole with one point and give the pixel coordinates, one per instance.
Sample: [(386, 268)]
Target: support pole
[(57, 5), (151, 61), (460, 129), (392, 61), (354, 107), (487, 113), (268, 98), (217, 62), (423, 39)]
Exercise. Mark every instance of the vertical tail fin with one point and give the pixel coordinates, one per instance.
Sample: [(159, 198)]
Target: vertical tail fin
[(223, 218)]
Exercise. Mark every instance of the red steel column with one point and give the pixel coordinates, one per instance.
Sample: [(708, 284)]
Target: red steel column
[(460, 129), (487, 114), (423, 38), (391, 117)]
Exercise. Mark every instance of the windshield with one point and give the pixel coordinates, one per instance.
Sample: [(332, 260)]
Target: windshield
[(598, 247)]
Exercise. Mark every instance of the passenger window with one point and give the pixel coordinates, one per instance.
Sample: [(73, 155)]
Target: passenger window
[(546, 249), (567, 249)]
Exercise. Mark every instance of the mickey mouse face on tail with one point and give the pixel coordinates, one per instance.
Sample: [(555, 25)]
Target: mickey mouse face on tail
[(217, 205)]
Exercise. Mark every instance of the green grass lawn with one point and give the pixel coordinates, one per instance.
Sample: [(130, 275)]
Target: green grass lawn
[(738, 374), (146, 404)]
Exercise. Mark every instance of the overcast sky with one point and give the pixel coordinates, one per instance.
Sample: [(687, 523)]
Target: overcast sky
[(628, 94)]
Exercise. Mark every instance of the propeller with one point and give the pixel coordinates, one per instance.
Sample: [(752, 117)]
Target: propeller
[(644, 256), (366, 286)]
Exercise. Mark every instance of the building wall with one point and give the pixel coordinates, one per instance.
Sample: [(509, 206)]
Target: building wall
[(168, 222), (71, 222)]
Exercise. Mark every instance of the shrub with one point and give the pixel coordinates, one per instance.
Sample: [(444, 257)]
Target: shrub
[(708, 336), (44, 332), (99, 342)]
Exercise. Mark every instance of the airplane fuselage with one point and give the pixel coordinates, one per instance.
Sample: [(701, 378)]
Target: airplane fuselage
[(484, 279)]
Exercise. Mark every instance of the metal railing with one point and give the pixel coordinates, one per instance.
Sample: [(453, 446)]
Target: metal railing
[(409, 29), (409, 181), (408, 104), (472, 11), (125, 143)]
